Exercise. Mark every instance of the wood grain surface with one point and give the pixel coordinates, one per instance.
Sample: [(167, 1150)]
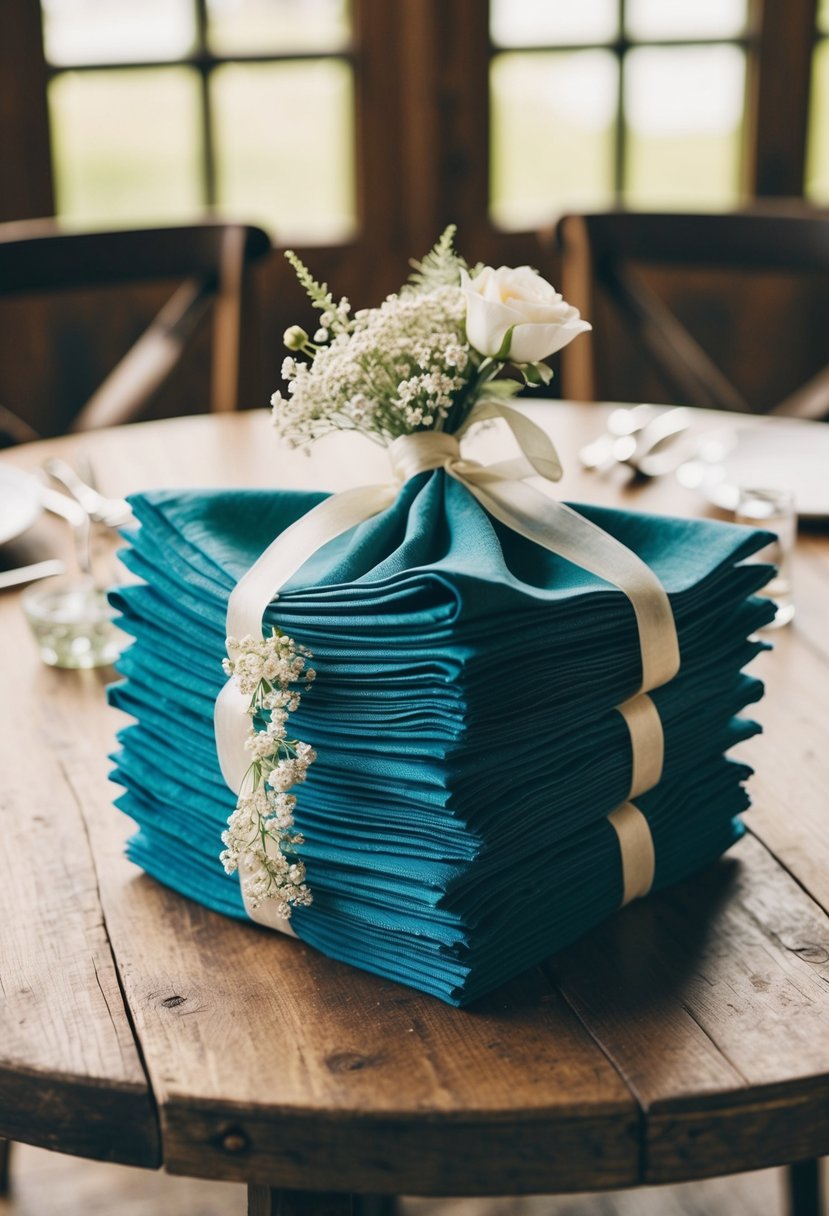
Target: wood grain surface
[(689, 1036), (70, 1074)]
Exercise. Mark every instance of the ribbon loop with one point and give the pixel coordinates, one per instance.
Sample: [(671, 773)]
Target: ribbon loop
[(538, 454)]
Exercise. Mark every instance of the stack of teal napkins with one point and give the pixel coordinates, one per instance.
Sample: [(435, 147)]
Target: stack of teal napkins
[(464, 715)]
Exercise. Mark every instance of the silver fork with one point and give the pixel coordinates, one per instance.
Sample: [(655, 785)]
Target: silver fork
[(633, 436), (644, 451), (622, 423), (101, 509)]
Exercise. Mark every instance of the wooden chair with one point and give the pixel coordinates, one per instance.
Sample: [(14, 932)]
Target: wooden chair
[(211, 258), (605, 259)]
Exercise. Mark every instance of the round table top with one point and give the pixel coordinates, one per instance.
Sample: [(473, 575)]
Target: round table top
[(686, 1036)]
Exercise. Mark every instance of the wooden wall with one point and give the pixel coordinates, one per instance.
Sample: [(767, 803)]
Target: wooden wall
[(422, 161)]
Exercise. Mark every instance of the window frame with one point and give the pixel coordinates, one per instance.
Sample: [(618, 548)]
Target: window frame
[(421, 134), (203, 62), (620, 47)]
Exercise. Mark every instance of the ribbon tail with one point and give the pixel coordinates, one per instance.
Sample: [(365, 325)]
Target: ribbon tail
[(255, 590), (293, 547), (559, 529), (246, 606), (231, 724)]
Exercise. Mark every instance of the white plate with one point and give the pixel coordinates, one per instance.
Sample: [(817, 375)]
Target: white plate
[(19, 502), (790, 456)]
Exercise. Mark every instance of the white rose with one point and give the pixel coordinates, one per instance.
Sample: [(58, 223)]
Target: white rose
[(517, 309)]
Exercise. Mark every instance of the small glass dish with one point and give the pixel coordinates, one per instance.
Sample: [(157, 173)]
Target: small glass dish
[(773, 509), (73, 623)]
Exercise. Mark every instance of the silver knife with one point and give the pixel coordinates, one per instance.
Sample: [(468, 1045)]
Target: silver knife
[(29, 574)]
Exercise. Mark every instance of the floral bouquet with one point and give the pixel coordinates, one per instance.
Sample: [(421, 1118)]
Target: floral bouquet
[(426, 356), (521, 707)]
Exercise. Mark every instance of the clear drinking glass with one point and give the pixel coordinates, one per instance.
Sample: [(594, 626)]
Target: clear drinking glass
[(72, 623), (774, 510)]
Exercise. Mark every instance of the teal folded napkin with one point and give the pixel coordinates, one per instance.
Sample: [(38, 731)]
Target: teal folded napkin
[(464, 714), (466, 942)]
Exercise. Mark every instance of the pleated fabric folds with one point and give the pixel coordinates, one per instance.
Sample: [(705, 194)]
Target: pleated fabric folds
[(465, 716)]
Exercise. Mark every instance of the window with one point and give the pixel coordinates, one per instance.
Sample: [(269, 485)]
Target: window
[(365, 126), (161, 109), (343, 121), (631, 100)]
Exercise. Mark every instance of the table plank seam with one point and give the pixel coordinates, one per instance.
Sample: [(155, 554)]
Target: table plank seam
[(152, 1102), (548, 970)]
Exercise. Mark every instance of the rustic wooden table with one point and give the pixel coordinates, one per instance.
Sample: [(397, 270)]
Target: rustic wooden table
[(687, 1037)]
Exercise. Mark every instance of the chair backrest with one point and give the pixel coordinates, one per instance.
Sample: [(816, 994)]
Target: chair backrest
[(210, 258), (603, 256)]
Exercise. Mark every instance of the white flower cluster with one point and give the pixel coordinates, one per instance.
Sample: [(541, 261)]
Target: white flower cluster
[(425, 357), (259, 841), (390, 371)]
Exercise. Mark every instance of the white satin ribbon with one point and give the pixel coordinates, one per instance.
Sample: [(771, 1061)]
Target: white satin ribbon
[(502, 490), (647, 742), (636, 848)]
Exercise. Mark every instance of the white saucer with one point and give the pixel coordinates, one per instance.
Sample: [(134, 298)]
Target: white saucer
[(19, 502), (790, 456)]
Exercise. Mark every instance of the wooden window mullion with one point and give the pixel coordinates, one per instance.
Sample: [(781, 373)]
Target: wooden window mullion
[(780, 71), (620, 131), (26, 186), (208, 157)]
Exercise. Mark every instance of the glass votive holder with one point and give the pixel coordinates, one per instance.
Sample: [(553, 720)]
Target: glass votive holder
[(773, 510), (73, 623)]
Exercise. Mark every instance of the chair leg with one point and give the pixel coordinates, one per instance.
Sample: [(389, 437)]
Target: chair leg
[(5, 1155), (804, 1189), (270, 1201)]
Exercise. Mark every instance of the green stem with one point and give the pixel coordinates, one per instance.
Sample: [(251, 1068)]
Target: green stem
[(469, 395)]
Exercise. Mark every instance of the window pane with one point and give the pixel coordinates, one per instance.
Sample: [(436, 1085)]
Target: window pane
[(684, 142), (540, 23), (686, 18), (117, 31), (126, 144), (245, 26), (552, 134), (817, 159), (285, 140)]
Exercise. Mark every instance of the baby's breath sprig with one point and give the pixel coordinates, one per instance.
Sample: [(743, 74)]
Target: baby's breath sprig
[(335, 318), (401, 367), (259, 839)]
